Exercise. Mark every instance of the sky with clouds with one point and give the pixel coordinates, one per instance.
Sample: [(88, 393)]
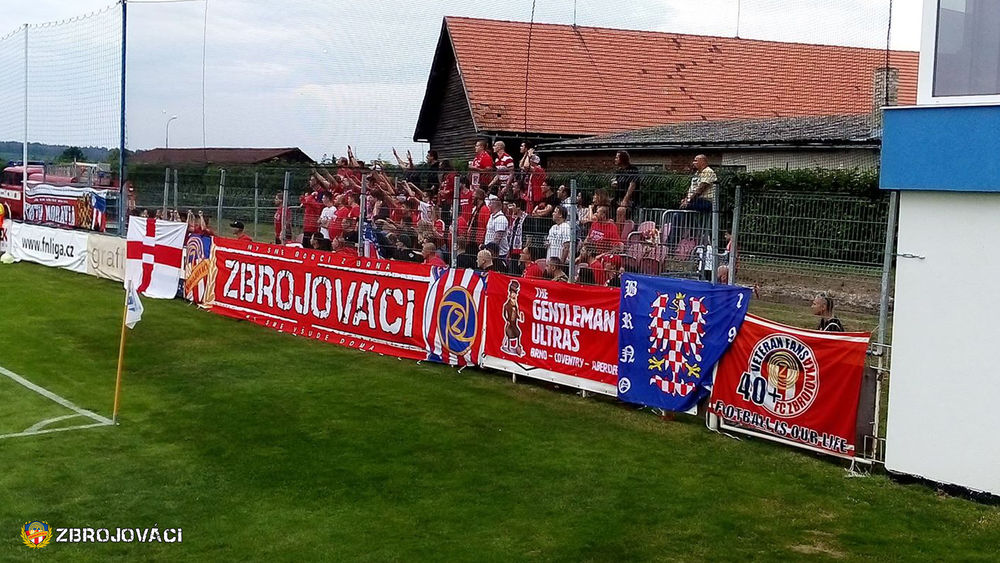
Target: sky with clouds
[(322, 74)]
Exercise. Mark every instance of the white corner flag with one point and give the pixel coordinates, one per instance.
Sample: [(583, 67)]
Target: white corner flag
[(133, 307)]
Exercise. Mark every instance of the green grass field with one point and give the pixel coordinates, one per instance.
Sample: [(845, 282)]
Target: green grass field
[(265, 446)]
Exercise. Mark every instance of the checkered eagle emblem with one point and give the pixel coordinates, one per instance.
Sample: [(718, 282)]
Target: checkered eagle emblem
[(676, 329)]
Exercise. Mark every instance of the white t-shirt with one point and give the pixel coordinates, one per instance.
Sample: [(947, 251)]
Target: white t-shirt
[(498, 224), (328, 214), (706, 258), (558, 236), (425, 211)]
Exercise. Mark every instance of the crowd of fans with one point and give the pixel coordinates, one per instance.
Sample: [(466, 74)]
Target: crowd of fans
[(507, 215)]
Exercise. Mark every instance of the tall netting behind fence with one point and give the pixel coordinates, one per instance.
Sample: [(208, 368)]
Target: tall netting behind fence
[(12, 95), (69, 72), (74, 81)]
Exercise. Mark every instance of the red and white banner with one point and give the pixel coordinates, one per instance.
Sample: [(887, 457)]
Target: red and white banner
[(153, 256), (799, 386), (66, 206), (390, 307), (554, 331)]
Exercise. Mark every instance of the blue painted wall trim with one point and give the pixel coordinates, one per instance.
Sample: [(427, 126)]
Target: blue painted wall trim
[(954, 148)]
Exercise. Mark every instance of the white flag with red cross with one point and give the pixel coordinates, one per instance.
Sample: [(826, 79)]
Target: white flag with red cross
[(153, 256)]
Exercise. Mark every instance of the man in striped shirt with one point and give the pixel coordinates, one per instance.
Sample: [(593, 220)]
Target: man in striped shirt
[(505, 167)]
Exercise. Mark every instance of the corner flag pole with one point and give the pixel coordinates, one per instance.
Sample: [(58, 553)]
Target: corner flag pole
[(121, 359)]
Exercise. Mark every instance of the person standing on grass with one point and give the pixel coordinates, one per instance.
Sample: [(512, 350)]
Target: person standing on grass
[(311, 208), (282, 220), (327, 215), (822, 307)]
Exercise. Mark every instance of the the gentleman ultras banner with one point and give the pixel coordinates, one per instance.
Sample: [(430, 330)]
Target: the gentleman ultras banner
[(389, 307), (672, 334), (798, 385), (553, 331)]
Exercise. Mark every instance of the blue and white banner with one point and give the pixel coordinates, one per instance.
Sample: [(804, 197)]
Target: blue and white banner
[(672, 333)]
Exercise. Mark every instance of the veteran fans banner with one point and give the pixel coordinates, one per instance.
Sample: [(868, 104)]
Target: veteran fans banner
[(390, 307), (800, 386), (65, 206), (672, 334), (554, 331), (153, 256), (56, 248)]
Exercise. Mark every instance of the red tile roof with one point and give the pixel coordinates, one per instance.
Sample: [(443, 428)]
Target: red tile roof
[(587, 80)]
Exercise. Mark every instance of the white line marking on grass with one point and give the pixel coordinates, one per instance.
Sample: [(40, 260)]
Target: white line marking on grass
[(36, 429), (39, 425), (51, 430)]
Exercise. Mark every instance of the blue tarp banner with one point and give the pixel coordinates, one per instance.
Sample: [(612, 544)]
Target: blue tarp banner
[(672, 333)]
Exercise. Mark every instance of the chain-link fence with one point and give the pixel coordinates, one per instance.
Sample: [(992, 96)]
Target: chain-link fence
[(579, 226)]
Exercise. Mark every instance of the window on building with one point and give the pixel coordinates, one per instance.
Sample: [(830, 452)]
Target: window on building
[(967, 61)]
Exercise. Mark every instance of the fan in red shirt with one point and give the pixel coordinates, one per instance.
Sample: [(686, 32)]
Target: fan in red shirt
[(536, 177), (431, 258), (606, 267), (504, 165), (199, 225), (480, 166), (604, 236), (238, 231), (282, 221), (312, 206), (466, 198), (529, 261)]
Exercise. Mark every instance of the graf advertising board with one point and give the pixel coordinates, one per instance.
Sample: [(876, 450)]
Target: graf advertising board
[(106, 257)]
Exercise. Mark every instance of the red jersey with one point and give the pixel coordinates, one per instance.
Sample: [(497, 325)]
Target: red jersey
[(535, 185), (435, 260), (604, 268), (207, 231), (311, 208), (336, 226), (604, 235), (505, 166), (482, 161), (446, 192), (534, 271), (479, 235), (282, 217), (465, 203), (245, 237)]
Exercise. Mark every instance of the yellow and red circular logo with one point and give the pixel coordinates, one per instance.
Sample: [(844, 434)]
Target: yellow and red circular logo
[(785, 372), (36, 534)]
